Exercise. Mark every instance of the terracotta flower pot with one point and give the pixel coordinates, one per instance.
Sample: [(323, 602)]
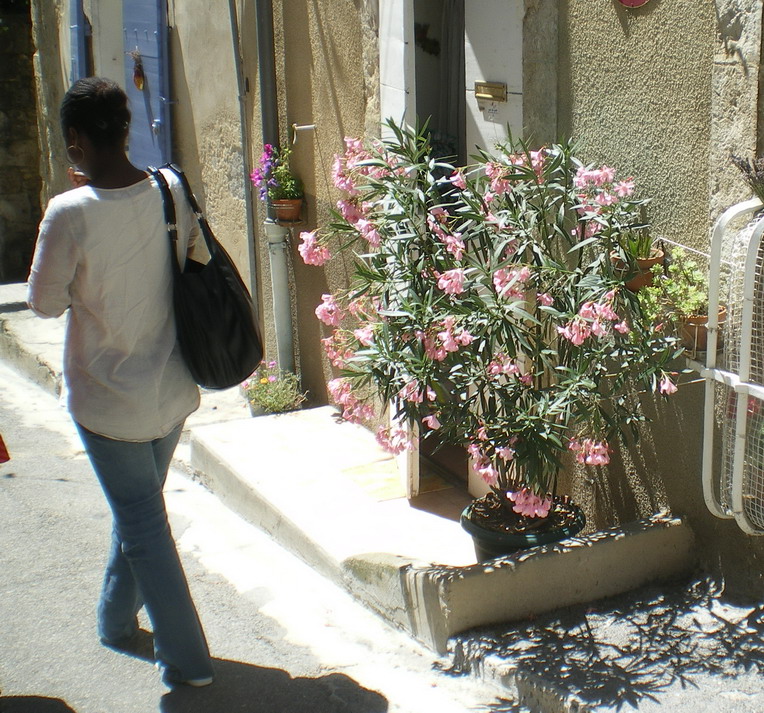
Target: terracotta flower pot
[(644, 278), (287, 210), (693, 331)]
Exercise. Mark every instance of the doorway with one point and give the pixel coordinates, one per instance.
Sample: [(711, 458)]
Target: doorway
[(439, 75)]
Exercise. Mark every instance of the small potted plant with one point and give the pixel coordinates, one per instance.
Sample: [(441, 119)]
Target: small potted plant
[(678, 298), (642, 255), (270, 390), (485, 308), (278, 186)]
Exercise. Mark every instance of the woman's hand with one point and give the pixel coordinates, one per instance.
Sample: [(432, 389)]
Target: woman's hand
[(76, 178)]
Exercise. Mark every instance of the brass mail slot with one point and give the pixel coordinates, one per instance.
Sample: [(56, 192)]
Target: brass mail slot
[(491, 91)]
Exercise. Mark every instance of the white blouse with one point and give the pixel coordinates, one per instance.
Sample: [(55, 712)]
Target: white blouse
[(105, 255)]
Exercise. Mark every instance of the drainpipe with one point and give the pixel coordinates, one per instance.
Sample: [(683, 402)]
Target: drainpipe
[(278, 235), (241, 88)]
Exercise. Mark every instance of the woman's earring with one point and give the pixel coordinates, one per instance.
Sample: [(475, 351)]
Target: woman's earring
[(69, 150)]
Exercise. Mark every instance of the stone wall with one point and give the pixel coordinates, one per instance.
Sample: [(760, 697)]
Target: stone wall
[(19, 151)]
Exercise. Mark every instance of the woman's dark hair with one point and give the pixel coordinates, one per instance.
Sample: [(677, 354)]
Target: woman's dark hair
[(98, 108)]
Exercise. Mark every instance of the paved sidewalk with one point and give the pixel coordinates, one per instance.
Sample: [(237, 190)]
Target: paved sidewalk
[(326, 491)]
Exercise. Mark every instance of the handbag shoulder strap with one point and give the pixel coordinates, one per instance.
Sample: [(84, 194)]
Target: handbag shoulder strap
[(209, 238), (168, 205)]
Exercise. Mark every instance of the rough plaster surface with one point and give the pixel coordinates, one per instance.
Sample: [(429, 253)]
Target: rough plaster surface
[(735, 99), (325, 57), (668, 110), (636, 93), (222, 168), (540, 57)]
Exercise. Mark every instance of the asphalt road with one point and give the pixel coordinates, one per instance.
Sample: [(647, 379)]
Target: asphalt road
[(284, 639)]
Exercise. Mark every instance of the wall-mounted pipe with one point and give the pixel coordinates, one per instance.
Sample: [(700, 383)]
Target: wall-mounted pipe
[(278, 236)]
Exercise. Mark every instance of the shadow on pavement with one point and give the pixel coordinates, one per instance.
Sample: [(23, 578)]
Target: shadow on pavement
[(248, 688), (627, 649), (33, 704)]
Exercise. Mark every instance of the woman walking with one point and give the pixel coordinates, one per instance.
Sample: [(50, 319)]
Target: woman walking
[(103, 254)]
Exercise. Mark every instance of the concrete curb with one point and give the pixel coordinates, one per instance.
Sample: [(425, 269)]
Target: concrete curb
[(35, 352), (430, 601)]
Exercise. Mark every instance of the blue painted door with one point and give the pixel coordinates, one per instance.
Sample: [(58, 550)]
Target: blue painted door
[(147, 81), (79, 29)]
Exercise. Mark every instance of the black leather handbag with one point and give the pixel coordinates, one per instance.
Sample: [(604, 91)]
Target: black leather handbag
[(217, 326)]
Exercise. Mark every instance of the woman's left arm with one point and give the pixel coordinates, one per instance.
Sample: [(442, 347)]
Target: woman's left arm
[(53, 266)]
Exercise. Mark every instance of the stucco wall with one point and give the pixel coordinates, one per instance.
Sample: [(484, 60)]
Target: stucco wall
[(207, 136), (326, 76), (636, 93), (666, 107)]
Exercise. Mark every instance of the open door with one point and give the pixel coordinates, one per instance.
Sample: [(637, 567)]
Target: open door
[(147, 81)]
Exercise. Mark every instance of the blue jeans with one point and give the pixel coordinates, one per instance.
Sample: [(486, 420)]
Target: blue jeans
[(143, 567)]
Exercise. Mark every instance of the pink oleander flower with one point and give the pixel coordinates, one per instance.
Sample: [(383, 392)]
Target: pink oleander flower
[(486, 470), (340, 179), (590, 452), (431, 422), (494, 169), (329, 312), (587, 311), (412, 392), (457, 178), (349, 211), (448, 340), (474, 450), (439, 214), (499, 186), (312, 252), (624, 188), (465, 338), (394, 440), (510, 283), (529, 504), (576, 331), (605, 311), (365, 335), (599, 328), (606, 198), (432, 349), (622, 327), (454, 245), (545, 299), (503, 365), (505, 453), (607, 174), (452, 281), (667, 386), (336, 350), (369, 231), (339, 390)]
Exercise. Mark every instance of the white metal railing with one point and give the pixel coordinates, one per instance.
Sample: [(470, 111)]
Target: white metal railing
[(734, 394)]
